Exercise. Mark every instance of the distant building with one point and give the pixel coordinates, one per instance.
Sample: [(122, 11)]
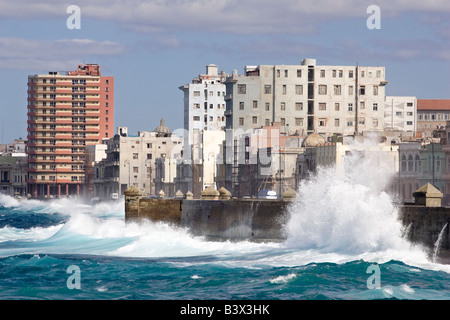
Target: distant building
[(400, 114), (131, 161), (204, 102), (13, 175), (307, 98), (432, 114), (66, 112)]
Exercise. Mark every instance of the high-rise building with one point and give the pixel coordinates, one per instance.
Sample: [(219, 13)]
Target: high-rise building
[(307, 98), (66, 112), (204, 102)]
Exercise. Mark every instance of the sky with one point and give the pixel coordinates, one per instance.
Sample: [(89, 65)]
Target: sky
[(152, 47)]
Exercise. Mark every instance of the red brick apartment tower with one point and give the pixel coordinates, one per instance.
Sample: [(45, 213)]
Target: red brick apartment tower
[(66, 112)]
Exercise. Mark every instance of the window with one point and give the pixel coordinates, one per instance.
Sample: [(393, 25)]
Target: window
[(322, 73), (362, 90), (322, 106), (196, 105), (410, 114), (322, 122), (242, 88), (149, 145), (336, 106), (336, 122), (196, 118), (196, 93), (375, 90), (362, 105), (283, 121), (349, 123), (350, 107), (337, 90), (135, 156), (241, 121), (298, 89), (378, 73), (350, 90), (255, 120), (334, 73), (267, 106), (299, 106), (363, 74), (322, 89), (410, 163), (278, 73), (283, 106), (375, 107), (409, 104), (286, 73), (375, 123), (398, 113), (267, 89), (241, 105), (255, 104), (341, 73), (409, 123), (284, 89), (299, 73), (350, 73), (299, 121), (267, 122), (149, 156)]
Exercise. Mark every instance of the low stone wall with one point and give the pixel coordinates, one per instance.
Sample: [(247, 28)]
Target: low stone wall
[(423, 225), (264, 220), (238, 219)]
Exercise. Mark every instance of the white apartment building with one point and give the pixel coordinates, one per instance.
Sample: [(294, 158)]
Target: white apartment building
[(204, 103), (400, 114), (131, 161), (307, 98)]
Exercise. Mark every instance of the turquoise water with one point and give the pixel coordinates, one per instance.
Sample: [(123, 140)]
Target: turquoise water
[(39, 241), (344, 243)]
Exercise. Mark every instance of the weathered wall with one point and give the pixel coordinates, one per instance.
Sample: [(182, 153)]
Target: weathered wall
[(423, 226), (164, 210), (258, 220)]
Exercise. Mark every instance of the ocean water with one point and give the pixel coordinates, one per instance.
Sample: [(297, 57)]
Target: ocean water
[(345, 243)]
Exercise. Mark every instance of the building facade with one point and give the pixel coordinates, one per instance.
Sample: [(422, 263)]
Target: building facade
[(204, 102), (400, 114), (307, 98), (66, 112), (131, 161), (432, 114)]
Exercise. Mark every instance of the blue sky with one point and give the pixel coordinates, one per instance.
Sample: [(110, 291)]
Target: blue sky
[(153, 47)]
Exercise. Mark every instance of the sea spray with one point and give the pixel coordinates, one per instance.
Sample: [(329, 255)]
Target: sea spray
[(349, 212)]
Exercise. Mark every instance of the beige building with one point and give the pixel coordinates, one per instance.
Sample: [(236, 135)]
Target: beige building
[(131, 161), (307, 98)]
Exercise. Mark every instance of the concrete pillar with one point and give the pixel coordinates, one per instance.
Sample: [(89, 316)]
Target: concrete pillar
[(224, 194), (210, 194), (179, 195), (132, 197), (289, 195)]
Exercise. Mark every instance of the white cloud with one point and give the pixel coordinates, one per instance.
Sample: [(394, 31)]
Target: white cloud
[(64, 54), (235, 16)]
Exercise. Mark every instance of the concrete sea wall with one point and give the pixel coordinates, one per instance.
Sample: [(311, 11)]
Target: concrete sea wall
[(265, 220), (425, 226)]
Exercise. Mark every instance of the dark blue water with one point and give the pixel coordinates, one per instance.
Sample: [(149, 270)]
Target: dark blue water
[(40, 241)]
